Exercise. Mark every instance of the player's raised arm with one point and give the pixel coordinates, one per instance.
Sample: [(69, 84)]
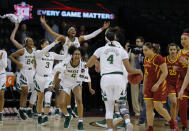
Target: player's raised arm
[(12, 37), (47, 48), (54, 34), (95, 33)]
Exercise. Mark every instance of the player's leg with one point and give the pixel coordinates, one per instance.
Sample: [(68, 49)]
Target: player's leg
[(57, 96), (68, 101), (173, 110), (149, 113), (23, 96), (78, 96), (109, 105), (2, 92), (124, 111), (63, 106), (40, 97), (47, 103)]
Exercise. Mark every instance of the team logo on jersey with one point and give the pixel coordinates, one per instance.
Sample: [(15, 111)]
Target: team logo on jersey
[(24, 10)]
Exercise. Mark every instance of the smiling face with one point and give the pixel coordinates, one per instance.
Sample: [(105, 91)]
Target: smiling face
[(185, 41), (76, 56), (29, 42)]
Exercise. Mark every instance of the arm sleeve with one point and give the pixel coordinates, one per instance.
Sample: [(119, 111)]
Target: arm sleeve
[(59, 57), (3, 61), (97, 53), (92, 35), (46, 49), (159, 60)]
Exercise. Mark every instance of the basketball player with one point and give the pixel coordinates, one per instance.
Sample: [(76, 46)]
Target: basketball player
[(27, 70), (73, 73), (155, 92), (3, 66), (171, 61), (43, 78), (111, 58), (72, 35), (29, 59), (182, 83)]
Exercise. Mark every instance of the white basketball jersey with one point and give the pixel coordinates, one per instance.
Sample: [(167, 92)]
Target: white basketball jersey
[(69, 43), (70, 73), (27, 59), (111, 58), (44, 64)]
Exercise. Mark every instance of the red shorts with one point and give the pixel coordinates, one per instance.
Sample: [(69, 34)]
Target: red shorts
[(178, 87), (171, 89), (159, 95)]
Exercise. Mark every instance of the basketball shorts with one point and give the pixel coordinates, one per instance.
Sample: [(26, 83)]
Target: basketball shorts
[(67, 86), (113, 87), (159, 96), (42, 82)]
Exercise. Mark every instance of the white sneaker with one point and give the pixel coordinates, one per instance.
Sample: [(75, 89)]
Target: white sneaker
[(129, 127)]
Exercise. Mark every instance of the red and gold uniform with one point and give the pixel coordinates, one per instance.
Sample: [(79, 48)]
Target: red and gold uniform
[(183, 103), (172, 75), (182, 72), (153, 73)]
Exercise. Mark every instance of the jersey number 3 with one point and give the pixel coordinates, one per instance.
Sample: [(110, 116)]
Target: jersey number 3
[(47, 64), (111, 59)]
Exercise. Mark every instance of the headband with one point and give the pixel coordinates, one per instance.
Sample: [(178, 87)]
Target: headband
[(70, 29), (186, 34)]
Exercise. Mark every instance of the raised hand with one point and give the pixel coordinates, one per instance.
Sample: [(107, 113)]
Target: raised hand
[(42, 19), (106, 25)]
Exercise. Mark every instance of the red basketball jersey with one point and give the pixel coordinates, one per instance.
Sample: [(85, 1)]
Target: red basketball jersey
[(152, 69), (182, 66), (172, 75)]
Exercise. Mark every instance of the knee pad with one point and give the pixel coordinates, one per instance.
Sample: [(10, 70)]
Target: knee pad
[(48, 95), (123, 107)]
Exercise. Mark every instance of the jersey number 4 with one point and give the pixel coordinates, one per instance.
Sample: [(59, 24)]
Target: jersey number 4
[(111, 59)]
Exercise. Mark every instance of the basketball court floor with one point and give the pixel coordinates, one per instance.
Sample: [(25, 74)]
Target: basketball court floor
[(58, 125)]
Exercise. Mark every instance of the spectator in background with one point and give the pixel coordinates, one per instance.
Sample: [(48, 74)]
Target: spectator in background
[(82, 30), (54, 27), (127, 46), (23, 33), (136, 59), (63, 28)]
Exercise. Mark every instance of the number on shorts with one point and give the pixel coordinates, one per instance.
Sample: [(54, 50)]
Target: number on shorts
[(47, 64), (110, 59)]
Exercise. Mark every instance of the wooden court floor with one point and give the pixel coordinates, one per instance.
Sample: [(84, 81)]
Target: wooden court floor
[(58, 125)]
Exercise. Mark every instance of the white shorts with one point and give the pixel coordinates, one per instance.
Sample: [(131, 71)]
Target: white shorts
[(113, 87), (26, 79), (43, 82), (2, 81), (67, 86)]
